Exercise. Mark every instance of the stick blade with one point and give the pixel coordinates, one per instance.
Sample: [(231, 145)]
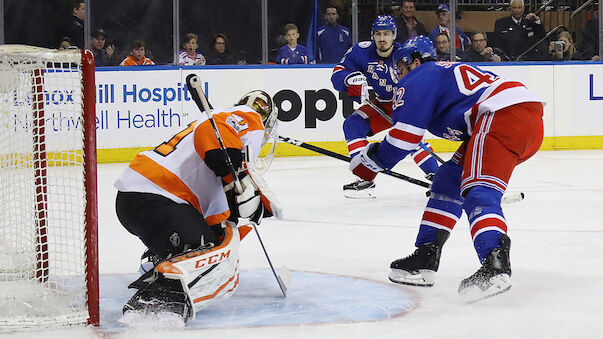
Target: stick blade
[(510, 198), (284, 279)]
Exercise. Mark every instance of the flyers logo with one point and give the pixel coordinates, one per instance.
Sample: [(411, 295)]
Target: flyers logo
[(237, 123)]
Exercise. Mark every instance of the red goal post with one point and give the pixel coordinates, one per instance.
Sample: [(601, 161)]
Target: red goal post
[(48, 196)]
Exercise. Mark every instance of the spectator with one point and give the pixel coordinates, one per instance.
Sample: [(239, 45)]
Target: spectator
[(75, 27), (219, 53), (516, 33), (292, 53), (563, 48), (137, 55), (408, 25), (443, 14), (65, 43), (333, 40), (590, 42), (480, 51), (188, 55), (443, 49), (103, 56)]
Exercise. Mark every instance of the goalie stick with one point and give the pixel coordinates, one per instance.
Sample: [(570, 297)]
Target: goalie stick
[(509, 198), (193, 83)]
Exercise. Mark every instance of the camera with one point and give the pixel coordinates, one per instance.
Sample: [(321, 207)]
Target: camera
[(558, 46), (488, 56)]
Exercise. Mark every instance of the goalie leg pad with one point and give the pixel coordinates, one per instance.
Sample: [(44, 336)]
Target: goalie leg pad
[(206, 275)]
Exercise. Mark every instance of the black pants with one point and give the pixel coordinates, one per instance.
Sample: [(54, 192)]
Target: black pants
[(164, 226)]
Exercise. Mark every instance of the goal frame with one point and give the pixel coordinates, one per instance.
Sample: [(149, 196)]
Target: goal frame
[(42, 159), (90, 184)]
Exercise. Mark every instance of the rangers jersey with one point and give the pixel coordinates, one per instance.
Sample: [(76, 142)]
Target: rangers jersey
[(445, 99), (378, 71), (184, 59), (286, 55), (181, 170)]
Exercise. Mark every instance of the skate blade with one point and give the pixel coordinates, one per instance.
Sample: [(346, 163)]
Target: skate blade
[(423, 278), (500, 284), (363, 194), (151, 321)]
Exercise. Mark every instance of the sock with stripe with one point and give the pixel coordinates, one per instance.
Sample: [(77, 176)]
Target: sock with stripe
[(486, 219)]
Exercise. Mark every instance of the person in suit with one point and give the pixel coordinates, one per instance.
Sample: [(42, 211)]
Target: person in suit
[(516, 32)]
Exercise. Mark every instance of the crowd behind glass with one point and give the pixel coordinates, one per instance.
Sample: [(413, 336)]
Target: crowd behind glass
[(212, 32)]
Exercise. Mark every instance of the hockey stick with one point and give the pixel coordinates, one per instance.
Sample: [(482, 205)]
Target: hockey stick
[(389, 119), (193, 82), (345, 158), (432, 153), (380, 111), (509, 198)]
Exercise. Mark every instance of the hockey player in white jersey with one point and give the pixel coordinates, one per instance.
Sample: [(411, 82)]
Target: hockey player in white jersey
[(179, 200)]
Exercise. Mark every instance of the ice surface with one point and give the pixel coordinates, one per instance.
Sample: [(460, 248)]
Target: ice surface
[(556, 255)]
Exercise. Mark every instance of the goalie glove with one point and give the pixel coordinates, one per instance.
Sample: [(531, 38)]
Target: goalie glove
[(357, 87), (249, 202), (363, 165)]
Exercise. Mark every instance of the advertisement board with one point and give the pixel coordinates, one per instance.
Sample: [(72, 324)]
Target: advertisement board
[(139, 107)]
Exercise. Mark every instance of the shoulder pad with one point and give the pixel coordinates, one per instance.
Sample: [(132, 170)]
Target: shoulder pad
[(364, 44)]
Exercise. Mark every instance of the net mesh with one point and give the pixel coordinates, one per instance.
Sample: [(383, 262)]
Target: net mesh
[(42, 193)]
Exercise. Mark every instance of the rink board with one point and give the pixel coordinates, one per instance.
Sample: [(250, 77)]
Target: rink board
[(140, 107)]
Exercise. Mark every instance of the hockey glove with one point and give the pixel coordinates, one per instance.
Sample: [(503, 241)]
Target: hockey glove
[(357, 87), (249, 203), (363, 165)]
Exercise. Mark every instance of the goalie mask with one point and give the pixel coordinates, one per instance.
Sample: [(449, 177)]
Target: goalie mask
[(262, 103)]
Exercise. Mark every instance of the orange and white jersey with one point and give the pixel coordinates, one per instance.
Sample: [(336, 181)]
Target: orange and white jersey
[(176, 169), (131, 61)]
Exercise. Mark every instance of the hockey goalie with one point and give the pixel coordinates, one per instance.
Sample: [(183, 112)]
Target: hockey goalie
[(179, 200)]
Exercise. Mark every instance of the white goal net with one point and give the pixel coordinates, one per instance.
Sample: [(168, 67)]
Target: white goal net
[(48, 250)]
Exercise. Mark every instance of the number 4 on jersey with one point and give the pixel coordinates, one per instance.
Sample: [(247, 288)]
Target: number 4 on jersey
[(470, 80)]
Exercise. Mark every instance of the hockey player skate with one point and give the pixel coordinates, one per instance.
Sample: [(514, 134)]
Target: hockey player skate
[(494, 277), (156, 294), (359, 189), (419, 268)]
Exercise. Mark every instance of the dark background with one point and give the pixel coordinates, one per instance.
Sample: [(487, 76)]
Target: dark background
[(42, 23)]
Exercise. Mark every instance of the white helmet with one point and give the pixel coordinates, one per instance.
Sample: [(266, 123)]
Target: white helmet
[(262, 103)]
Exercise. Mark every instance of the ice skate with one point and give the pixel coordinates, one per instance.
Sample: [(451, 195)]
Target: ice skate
[(158, 295), (419, 268), (359, 189), (494, 277)]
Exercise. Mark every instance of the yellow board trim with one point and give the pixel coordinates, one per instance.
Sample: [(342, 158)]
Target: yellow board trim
[(114, 155)]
